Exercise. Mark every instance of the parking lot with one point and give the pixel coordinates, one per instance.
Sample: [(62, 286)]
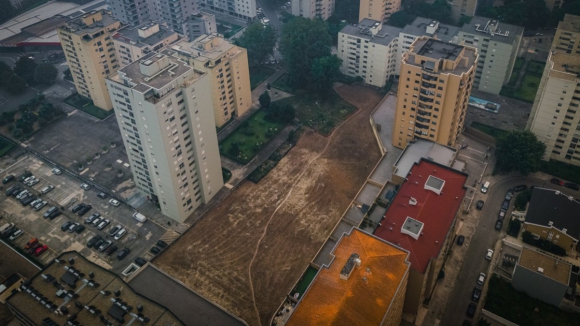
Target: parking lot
[(139, 239)]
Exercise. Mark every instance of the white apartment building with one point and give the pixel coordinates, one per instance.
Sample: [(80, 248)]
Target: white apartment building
[(130, 12), (313, 8), (165, 114), (175, 12), (423, 27), (132, 43), (369, 50), (244, 9)]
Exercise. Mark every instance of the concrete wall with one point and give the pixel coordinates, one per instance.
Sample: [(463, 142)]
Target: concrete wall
[(558, 238), (538, 286), (413, 295), (395, 312)]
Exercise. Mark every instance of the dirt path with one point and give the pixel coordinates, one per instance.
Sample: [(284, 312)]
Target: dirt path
[(247, 253)]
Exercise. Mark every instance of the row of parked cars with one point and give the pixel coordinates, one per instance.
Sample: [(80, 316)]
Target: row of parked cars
[(11, 232)]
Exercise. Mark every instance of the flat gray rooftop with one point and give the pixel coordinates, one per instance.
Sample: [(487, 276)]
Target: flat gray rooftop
[(418, 28), (435, 49), (340, 229), (477, 27), (423, 149), (80, 28), (131, 34), (384, 37), (368, 194), (324, 257)]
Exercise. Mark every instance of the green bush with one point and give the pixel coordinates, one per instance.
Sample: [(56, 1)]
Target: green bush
[(522, 199), (561, 170), (514, 228)]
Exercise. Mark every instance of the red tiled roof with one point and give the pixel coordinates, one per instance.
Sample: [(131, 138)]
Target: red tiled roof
[(435, 211)]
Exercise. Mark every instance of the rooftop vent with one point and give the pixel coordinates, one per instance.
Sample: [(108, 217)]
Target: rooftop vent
[(412, 227), (412, 201), (348, 267), (434, 184), (540, 270)]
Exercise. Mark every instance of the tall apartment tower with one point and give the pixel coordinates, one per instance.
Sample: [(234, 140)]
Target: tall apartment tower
[(227, 68), (434, 87), (130, 12), (322, 9), (555, 116), (381, 11), (199, 24), (461, 8), (164, 109), (176, 12), (132, 43), (90, 53), (498, 45), (244, 9)]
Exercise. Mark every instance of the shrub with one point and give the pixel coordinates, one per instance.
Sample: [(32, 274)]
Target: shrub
[(522, 199), (514, 228)]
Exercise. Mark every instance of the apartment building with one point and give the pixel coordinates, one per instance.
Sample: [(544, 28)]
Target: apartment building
[(176, 12), (244, 9), (461, 8), (164, 109), (498, 45), (199, 24), (555, 116), (132, 43), (434, 87), (227, 68), (90, 53), (313, 8), (368, 50), (381, 11), (130, 12), (423, 27), (551, 4)]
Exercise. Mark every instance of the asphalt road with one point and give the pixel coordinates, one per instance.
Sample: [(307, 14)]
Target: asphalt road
[(485, 238)]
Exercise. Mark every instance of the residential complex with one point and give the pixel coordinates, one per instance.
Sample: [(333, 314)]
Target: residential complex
[(165, 112), (421, 219), (368, 50), (461, 8), (73, 291), (244, 9), (498, 45), (132, 43), (313, 8), (130, 12), (226, 66), (434, 87), (555, 116), (176, 12), (364, 284), (381, 11), (199, 24), (90, 53)]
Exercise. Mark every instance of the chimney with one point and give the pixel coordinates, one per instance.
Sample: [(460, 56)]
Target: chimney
[(349, 266)]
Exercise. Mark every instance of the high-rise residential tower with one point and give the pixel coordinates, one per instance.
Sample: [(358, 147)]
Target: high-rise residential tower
[(165, 113), (130, 12), (313, 8), (379, 10), (434, 87), (133, 42), (461, 8), (176, 12), (244, 9), (90, 53)]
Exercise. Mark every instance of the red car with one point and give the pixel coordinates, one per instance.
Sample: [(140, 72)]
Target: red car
[(40, 250), (557, 181)]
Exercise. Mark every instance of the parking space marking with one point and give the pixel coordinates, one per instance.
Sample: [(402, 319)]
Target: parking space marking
[(471, 158), (474, 150)]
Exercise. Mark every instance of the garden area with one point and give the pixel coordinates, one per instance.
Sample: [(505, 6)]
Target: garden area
[(518, 65), (227, 29), (492, 131), (561, 170), (258, 75), (261, 171), (506, 302), (5, 147), (530, 83), (320, 114), (86, 105), (29, 118)]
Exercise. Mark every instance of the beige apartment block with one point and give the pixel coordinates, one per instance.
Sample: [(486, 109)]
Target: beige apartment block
[(322, 9), (379, 10), (434, 87), (461, 8), (227, 67), (90, 53), (132, 43), (555, 116)]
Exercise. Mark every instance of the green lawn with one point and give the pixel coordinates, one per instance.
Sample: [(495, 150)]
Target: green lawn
[(518, 64), (307, 278), (504, 301), (282, 84), (250, 137), (227, 29), (492, 131), (536, 68), (562, 170), (319, 114), (5, 146), (528, 89), (84, 104), (258, 75)]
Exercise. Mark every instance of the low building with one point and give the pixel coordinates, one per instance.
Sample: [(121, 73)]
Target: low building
[(368, 50), (132, 43), (73, 291), (198, 25), (421, 219), (364, 284), (541, 276), (498, 45), (553, 216)]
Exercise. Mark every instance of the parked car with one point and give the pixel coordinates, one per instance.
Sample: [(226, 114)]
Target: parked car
[(103, 224), (111, 250), (17, 192), (509, 195), (105, 245), (31, 243), (40, 250), (77, 207), (489, 254), (33, 182), (162, 244), (97, 221), (34, 247), (520, 188), (47, 189), (52, 213), (476, 294), (27, 179), (479, 205), (102, 195), (155, 250), (73, 227), (8, 178), (34, 202), (460, 240), (40, 205), (557, 181), (84, 210), (114, 230), (79, 229), (16, 234), (140, 261), (481, 279), (91, 218), (12, 189), (114, 202), (86, 186), (498, 224), (501, 215), (24, 175), (471, 310), (505, 205), (123, 253), (66, 225), (93, 240), (120, 234), (99, 243), (22, 194), (572, 185), (56, 171), (9, 231), (28, 200)]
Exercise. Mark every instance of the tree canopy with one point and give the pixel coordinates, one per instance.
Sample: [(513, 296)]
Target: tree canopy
[(347, 10), (15, 85), (531, 14), (401, 18), (25, 68), (265, 100), (259, 41), (45, 73), (519, 151), (8, 11), (323, 73)]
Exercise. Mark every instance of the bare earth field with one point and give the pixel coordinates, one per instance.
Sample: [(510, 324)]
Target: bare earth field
[(248, 252)]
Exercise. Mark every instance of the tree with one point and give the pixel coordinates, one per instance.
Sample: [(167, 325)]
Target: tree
[(8, 11), (259, 42), (303, 40), (519, 151), (45, 73), (15, 85), (324, 73), (286, 113), (531, 14), (401, 19), (265, 100), (347, 10), (25, 68)]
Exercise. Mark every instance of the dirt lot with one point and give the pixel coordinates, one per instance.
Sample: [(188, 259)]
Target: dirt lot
[(248, 252)]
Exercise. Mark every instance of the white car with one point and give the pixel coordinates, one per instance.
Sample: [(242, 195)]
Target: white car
[(265, 21), (47, 189), (33, 182), (40, 205), (114, 202), (34, 202), (56, 171), (120, 234), (86, 186), (489, 254), (16, 234)]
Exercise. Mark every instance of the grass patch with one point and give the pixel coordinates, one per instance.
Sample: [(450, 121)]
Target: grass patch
[(244, 143), (305, 281), (258, 75), (226, 174), (492, 131), (536, 68), (561, 170), (321, 115), (282, 84), (227, 29), (518, 64), (504, 301), (529, 88), (86, 105), (5, 147)]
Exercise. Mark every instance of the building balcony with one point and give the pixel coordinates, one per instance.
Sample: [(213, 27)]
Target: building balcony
[(426, 99)]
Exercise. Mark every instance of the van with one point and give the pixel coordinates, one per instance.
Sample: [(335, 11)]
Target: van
[(485, 187), (6, 227), (139, 217)]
